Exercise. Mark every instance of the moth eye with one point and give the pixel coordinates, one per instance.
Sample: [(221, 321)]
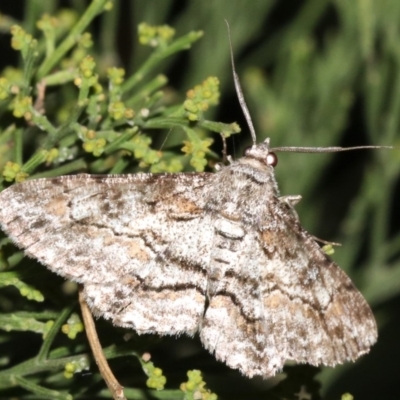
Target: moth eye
[(246, 150), (272, 159)]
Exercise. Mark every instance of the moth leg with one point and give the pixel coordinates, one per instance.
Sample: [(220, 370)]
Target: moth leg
[(291, 201), (221, 165), (325, 242), (224, 149)]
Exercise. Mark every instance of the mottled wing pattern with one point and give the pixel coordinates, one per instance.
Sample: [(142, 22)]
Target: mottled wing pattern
[(289, 301), (220, 253), (325, 319), (114, 234)]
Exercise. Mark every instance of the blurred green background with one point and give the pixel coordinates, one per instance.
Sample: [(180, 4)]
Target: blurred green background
[(314, 73)]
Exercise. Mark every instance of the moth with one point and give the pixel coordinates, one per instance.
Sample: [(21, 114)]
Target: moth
[(219, 254)]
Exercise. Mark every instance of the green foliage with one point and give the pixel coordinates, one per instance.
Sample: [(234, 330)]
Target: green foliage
[(107, 115), (13, 279), (195, 389), (347, 396), (329, 72)]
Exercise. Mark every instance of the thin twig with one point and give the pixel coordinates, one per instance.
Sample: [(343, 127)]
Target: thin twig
[(115, 388)]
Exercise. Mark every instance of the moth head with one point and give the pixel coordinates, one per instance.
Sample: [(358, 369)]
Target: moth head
[(262, 153)]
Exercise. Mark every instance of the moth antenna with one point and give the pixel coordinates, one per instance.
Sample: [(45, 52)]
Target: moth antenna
[(293, 149), (326, 149), (239, 91)]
